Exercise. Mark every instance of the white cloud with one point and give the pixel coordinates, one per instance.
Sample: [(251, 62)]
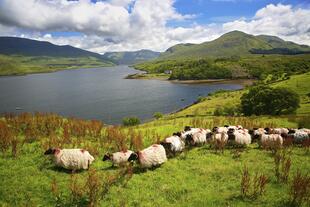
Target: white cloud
[(117, 25), (280, 20)]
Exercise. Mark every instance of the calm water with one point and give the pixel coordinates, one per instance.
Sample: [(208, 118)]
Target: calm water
[(98, 94)]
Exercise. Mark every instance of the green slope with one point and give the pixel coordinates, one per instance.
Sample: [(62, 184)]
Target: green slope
[(128, 58), (233, 43)]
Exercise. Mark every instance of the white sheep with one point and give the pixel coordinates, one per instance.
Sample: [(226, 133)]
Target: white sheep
[(173, 144), (72, 159), (118, 158), (197, 136), (268, 140), (188, 132), (299, 136), (239, 136), (220, 137), (282, 131), (219, 130), (152, 156)]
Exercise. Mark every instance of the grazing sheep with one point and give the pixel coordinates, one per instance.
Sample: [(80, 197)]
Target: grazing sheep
[(173, 144), (220, 137), (257, 132), (188, 132), (240, 137), (118, 158), (282, 131), (219, 130), (198, 137), (152, 156), (72, 159), (271, 140), (299, 136)]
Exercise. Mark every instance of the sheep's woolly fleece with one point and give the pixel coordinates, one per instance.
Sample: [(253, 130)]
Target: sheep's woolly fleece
[(73, 159), (152, 156)]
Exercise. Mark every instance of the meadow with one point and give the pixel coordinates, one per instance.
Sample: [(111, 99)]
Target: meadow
[(201, 176), (21, 65)]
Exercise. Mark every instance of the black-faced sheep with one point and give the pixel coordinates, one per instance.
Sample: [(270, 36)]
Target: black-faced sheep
[(239, 136), (118, 158), (173, 144), (72, 159), (152, 156)]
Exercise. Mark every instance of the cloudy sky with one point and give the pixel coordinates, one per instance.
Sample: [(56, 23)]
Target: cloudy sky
[(122, 25)]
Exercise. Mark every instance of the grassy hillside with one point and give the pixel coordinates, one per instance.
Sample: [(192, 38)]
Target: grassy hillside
[(20, 65), (128, 58), (253, 66), (235, 43), (198, 177)]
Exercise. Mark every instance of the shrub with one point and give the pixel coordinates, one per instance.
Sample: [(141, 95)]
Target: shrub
[(283, 163), (300, 189), (131, 121), (264, 100), (157, 115)]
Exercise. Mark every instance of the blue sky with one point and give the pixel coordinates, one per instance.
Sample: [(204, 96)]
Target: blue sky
[(118, 25)]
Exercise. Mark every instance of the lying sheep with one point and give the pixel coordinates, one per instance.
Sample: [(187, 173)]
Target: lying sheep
[(118, 158), (173, 144), (72, 159), (152, 156), (239, 136)]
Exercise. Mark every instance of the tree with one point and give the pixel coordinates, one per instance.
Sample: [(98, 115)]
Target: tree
[(264, 100), (157, 115), (131, 121)]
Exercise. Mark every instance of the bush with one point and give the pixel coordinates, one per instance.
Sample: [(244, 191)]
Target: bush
[(158, 115), (131, 121), (264, 100)]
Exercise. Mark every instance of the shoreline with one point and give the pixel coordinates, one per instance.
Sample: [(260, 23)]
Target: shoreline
[(165, 77)]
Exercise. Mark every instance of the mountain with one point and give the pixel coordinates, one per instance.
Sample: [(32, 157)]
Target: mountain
[(127, 58), (28, 47), (235, 43)]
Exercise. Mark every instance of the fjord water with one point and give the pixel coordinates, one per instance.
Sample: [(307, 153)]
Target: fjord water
[(99, 93)]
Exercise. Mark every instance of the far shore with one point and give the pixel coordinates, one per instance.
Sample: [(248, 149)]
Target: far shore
[(165, 77)]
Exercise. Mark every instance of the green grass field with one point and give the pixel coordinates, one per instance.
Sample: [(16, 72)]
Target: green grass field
[(21, 65), (197, 177)]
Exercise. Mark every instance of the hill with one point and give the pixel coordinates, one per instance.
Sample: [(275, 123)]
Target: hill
[(235, 43), (20, 56), (28, 47), (128, 58)]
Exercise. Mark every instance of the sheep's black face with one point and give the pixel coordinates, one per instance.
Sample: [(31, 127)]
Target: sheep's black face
[(214, 129), (256, 137), (251, 131), (187, 128), (177, 134), (226, 126), (50, 151), (291, 131), (209, 135), (106, 157), (267, 130), (133, 157), (189, 139), (231, 134), (167, 146)]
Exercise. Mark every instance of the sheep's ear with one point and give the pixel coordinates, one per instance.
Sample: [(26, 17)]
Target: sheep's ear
[(187, 128), (49, 151), (106, 157), (226, 125)]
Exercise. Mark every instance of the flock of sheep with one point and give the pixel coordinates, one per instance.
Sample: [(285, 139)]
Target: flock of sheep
[(156, 154)]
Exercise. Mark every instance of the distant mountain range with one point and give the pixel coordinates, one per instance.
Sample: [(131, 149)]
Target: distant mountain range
[(128, 58), (28, 47), (235, 43)]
